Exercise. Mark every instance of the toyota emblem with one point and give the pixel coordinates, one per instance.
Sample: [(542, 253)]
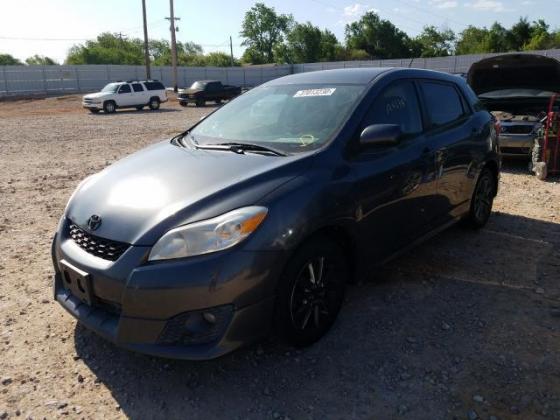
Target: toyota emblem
[(94, 222)]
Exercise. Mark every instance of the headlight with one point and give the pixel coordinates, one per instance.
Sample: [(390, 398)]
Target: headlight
[(210, 235)]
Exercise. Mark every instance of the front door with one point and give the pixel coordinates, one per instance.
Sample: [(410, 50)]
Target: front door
[(126, 97)]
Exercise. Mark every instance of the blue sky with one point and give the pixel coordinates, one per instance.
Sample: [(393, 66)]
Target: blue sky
[(51, 27)]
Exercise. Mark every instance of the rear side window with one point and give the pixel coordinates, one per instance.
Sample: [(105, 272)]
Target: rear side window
[(443, 103), (397, 104), (137, 87), (154, 86), (124, 89)]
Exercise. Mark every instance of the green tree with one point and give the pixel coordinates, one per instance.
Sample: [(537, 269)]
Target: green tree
[(519, 34), (471, 41), (304, 43), (378, 37), (496, 39), (435, 43), (220, 59), (107, 49), (329, 46), (8, 60), (40, 60), (263, 29)]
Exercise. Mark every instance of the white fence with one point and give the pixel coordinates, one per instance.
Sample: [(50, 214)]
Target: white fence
[(55, 80)]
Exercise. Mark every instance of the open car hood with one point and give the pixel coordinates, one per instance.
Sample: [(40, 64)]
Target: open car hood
[(515, 81)]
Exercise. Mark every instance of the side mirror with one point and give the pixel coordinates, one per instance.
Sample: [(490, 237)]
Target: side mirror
[(380, 134)]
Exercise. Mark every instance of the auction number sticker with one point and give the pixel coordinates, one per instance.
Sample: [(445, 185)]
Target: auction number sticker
[(314, 92)]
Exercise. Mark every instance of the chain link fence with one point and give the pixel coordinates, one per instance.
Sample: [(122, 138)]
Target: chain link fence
[(28, 81)]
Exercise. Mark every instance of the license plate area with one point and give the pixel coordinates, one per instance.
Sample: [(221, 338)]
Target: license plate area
[(77, 282)]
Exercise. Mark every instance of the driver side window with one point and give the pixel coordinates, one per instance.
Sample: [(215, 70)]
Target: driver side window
[(397, 104), (124, 89)]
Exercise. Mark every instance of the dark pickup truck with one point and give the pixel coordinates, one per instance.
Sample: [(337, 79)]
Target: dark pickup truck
[(207, 90)]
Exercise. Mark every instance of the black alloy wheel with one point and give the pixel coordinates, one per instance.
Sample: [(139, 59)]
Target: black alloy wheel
[(482, 199), (311, 292)]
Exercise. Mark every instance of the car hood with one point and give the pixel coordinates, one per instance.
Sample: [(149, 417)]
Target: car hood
[(142, 196), (96, 95), (515, 81)]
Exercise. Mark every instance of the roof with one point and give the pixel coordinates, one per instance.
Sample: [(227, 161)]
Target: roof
[(359, 76)]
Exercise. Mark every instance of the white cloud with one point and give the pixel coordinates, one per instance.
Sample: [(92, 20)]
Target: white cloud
[(445, 4), (487, 5), (355, 10)]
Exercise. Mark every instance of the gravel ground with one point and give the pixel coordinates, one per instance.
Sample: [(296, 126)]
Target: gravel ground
[(466, 326)]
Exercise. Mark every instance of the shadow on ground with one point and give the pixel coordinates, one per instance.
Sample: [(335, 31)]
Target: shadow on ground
[(466, 314)]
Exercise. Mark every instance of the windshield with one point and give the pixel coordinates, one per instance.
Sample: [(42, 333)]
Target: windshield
[(198, 85), (111, 87), (290, 118)]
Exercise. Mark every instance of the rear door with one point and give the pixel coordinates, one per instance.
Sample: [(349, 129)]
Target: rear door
[(452, 135), (395, 185)]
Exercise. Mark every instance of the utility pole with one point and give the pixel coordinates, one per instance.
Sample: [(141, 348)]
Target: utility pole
[(231, 50), (146, 49), (172, 20)]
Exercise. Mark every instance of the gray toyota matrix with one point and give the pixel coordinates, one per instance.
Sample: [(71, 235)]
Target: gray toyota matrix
[(253, 220)]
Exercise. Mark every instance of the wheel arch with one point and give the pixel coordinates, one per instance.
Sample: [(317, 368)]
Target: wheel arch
[(342, 237)]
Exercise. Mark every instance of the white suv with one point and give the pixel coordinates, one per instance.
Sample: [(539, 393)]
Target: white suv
[(129, 94)]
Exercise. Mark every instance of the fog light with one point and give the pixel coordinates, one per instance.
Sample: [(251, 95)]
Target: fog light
[(197, 327)]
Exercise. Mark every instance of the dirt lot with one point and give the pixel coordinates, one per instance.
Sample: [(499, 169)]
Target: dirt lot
[(466, 325)]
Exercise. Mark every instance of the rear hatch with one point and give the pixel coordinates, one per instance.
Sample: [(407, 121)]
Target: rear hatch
[(517, 83)]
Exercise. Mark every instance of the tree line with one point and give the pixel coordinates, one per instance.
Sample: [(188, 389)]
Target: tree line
[(271, 37)]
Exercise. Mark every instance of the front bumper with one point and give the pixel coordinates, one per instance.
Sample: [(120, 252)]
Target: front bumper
[(92, 105), (516, 145), (157, 308)]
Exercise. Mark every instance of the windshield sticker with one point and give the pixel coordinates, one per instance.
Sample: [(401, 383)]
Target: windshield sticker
[(314, 92)]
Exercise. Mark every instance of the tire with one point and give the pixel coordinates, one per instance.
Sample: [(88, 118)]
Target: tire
[(482, 200), (139, 107), (183, 103), (541, 171), (154, 104), (218, 101), (109, 107), (306, 309), (200, 102), (94, 111)]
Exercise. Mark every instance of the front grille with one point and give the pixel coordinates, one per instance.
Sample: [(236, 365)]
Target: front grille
[(515, 150), (100, 247), (517, 129)]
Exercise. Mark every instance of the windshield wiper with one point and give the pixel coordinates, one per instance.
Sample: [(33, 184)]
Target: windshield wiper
[(240, 148)]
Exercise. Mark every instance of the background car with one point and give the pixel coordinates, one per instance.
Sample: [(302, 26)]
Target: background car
[(517, 89), (203, 91), (129, 94)]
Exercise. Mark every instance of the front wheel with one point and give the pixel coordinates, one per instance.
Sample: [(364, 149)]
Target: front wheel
[(482, 199), (154, 104), (200, 102), (311, 292), (109, 107)]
